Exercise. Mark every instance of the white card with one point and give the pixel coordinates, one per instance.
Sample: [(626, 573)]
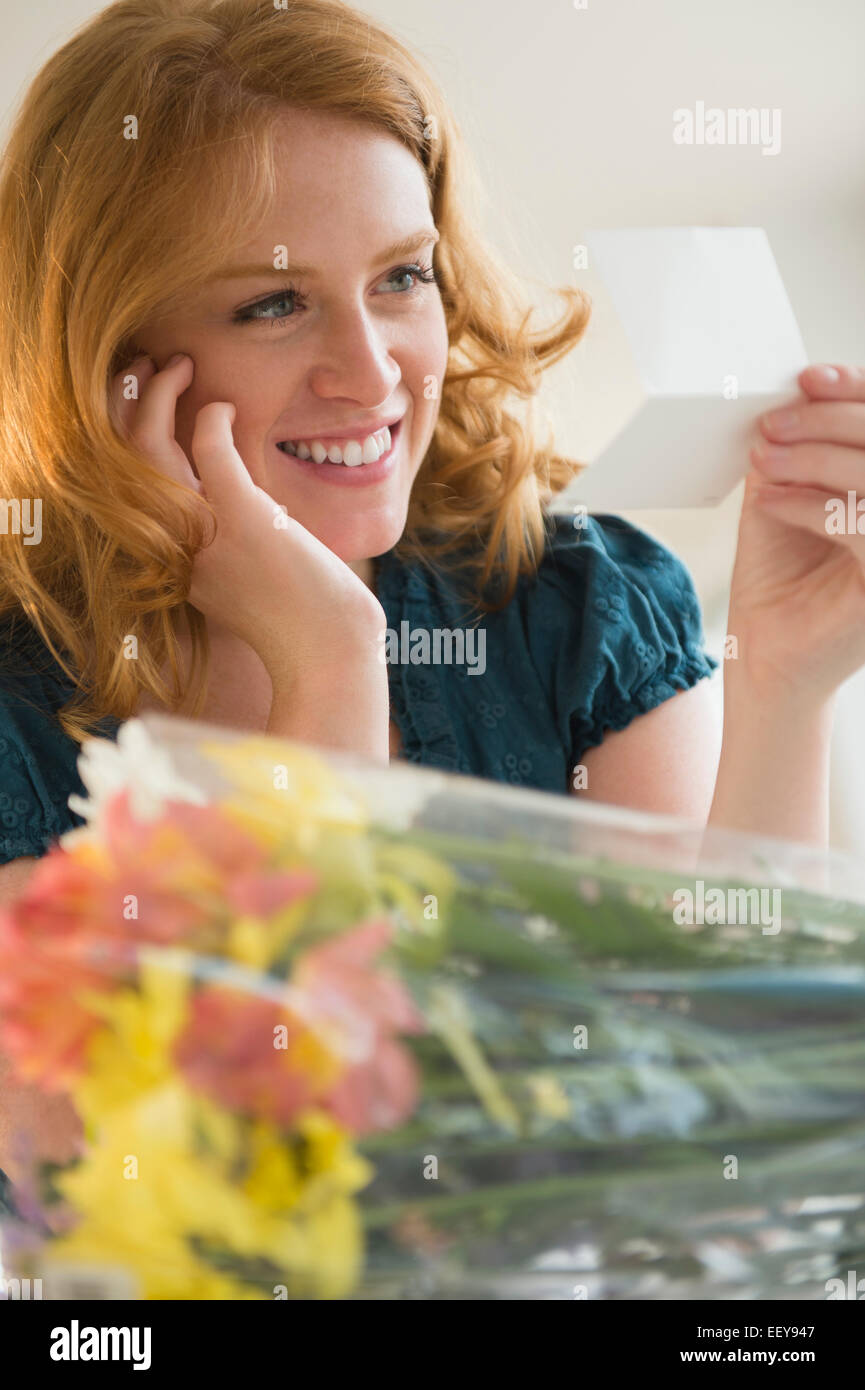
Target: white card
[(708, 341)]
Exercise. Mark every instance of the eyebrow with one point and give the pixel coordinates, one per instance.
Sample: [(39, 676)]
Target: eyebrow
[(249, 269)]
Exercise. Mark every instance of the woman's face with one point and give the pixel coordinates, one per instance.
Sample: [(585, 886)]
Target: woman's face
[(352, 342)]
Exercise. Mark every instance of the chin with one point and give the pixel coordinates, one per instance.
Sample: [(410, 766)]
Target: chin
[(359, 537)]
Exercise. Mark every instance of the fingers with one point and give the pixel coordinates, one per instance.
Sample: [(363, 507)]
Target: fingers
[(142, 404), (830, 381), (220, 467), (836, 422), (155, 416), (125, 391), (806, 508), (832, 467), (818, 441)]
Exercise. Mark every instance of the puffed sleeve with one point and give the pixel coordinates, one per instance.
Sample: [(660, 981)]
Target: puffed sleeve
[(626, 623)]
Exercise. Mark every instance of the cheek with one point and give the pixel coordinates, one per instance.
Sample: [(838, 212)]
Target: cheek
[(246, 392), (429, 360)]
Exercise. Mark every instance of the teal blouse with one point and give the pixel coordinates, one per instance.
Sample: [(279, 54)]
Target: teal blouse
[(608, 628)]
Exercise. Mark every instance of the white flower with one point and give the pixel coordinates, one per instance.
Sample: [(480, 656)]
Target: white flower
[(135, 763)]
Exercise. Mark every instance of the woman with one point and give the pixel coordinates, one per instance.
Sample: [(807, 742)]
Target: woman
[(234, 240)]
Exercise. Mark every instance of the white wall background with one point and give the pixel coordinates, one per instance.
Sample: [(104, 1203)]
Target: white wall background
[(569, 114)]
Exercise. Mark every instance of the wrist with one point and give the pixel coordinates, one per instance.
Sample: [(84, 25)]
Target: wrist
[(776, 669), (322, 657), (776, 678), (764, 697), (345, 707)]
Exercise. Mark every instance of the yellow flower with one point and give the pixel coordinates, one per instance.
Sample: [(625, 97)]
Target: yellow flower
[(163, 1186), (281, 790), (305, 1171), (257, 943), (314, 1233), (145, 1197), (133, 1053), (142, 1191), (310, 816)]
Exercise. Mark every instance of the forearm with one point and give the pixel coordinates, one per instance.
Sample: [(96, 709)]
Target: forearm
[(347, 710), (773, 773)]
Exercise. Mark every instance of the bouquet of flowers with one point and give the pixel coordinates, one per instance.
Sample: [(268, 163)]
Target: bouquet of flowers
[(326, 1031)]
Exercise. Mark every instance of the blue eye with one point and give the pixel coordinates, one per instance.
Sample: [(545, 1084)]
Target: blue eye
[(424, 275), (251, 315), (260, 311)]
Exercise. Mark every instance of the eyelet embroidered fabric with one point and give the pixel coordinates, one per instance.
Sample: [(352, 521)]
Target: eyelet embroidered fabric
[(608, 628)]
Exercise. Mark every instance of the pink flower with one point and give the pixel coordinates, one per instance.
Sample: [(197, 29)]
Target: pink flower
[(253, 1056), (82, 917), (263, 893), (379, 1093), (337, 975), (44, 1028), (361, 1009), (332, 1043)]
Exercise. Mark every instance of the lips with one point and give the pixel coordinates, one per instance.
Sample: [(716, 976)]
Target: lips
[(345, 475)]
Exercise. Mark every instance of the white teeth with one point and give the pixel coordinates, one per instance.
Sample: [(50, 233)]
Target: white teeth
[(376, 445), (352, 453), (373, 448)]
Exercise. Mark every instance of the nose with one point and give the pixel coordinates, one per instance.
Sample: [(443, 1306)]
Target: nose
[(354, 359)]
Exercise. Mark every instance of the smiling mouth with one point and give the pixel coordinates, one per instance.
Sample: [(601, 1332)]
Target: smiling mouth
[(347, 453)]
